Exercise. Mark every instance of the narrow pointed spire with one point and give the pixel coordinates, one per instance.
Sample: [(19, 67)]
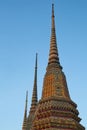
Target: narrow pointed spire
[(34, 100), (25, 113), (34, 95), (53, 54)]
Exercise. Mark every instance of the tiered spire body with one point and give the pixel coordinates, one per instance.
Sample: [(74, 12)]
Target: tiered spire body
[(54, 81), (53, 54)]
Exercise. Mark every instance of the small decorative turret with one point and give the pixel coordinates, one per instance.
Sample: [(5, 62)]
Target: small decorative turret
[(25, 114)]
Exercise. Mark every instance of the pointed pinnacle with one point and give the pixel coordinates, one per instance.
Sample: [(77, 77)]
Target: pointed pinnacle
[(53, 54), (52, 10), (34, 95)]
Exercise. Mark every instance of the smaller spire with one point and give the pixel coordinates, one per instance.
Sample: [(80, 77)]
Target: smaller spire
[(25, 113), (34, 95), (34, 100)]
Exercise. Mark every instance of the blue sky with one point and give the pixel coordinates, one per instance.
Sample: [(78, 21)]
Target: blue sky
[(25, 27)]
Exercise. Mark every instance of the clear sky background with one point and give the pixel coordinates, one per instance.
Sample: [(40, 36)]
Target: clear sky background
[(25, 27)]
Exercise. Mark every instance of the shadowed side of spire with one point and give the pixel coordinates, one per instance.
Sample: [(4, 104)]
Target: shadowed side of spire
[(53, 54), (25, 114), (34, 95)]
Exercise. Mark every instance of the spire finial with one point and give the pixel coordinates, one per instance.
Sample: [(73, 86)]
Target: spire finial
[(34, 95), (53, 54), (52, 9), (25, 113)]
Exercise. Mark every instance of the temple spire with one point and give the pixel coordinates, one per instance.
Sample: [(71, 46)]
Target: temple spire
[(34, 100), (53, 54), (25, 113), (34, 95)]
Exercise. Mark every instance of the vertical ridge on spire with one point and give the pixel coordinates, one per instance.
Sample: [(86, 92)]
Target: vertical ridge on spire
[(53, 54), (34, 95), (25, 113)]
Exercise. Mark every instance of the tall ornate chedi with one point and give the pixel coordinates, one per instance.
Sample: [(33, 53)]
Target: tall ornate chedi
[(55, 110)]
